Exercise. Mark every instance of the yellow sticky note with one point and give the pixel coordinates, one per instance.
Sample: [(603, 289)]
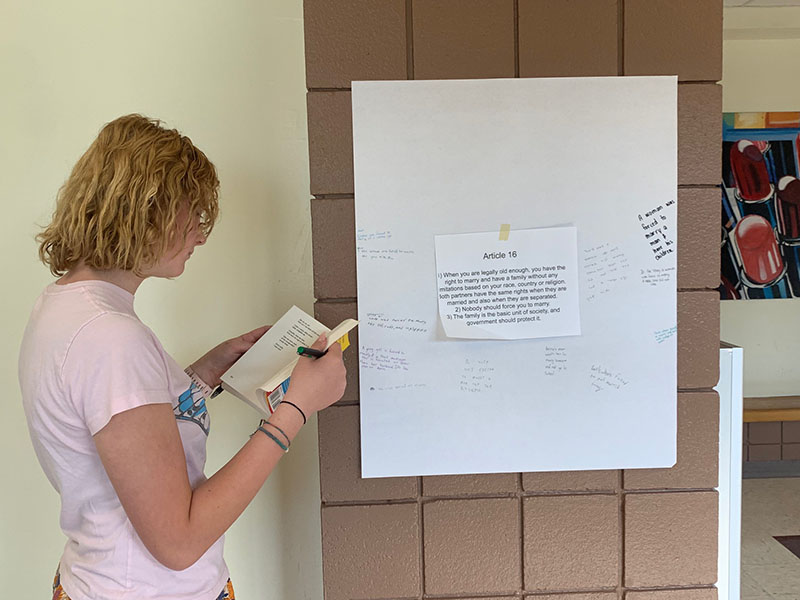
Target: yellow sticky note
[(344, 341), (505, 228)]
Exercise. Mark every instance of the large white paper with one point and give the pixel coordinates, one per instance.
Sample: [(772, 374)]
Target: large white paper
[(438, 158), (522, 284)]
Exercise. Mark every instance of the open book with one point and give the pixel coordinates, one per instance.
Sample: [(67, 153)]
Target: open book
[(261, 376)]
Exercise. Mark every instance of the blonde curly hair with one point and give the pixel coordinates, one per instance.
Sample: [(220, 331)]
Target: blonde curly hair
[(119, 207)]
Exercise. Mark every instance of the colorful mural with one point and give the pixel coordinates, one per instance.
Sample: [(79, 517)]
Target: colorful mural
[(760, 235)]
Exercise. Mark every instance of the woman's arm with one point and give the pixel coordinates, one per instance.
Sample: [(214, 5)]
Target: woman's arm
[(143, 457)]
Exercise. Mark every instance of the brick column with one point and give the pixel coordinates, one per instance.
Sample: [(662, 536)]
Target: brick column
[(595, 535)]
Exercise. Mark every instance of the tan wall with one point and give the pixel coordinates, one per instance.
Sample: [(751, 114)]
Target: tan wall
[(608, 534), (230, 75)]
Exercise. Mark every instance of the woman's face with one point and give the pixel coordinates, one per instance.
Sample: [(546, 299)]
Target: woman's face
[(174, 260)]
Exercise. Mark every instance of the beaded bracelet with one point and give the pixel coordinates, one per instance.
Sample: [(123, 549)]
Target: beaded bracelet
[(205, 389), (272, 437)]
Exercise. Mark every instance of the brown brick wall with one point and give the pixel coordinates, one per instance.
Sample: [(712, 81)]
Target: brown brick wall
[(778, 440), (602, 535)]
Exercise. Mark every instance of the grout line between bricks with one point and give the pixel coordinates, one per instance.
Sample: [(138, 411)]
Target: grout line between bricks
[(409, 39), (569, 592), (422, 500), (333, 197), (675, 588), (666, 491), (521, 521), (471, 595), (566, 593), (329, 89), (621, 541), (390, 502), (336, 300), (421, 519), (516, 38), (780, 443), (531, 594), (620, 37)]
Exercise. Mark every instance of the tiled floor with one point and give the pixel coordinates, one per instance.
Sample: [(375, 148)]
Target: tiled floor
[(770, 507)]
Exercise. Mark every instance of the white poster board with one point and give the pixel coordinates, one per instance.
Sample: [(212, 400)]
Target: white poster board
[(441, 158)]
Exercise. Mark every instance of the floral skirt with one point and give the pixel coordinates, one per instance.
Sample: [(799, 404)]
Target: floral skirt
[(60, 594)]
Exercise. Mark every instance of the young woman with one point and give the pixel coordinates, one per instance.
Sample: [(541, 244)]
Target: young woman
[(119, 428)]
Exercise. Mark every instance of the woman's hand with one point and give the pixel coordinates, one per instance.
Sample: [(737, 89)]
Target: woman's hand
[(316, 383), (220, 358)]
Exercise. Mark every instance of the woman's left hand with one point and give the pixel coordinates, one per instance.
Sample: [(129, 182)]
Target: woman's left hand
[(219, 359)]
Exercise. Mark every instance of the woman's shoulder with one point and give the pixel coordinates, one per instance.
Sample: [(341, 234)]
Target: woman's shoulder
[(90, 309), (92, 296), (68, 317), (112, 331), (111, 348)]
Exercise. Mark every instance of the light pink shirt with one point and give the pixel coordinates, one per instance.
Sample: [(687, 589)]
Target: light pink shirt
[(85, 357)]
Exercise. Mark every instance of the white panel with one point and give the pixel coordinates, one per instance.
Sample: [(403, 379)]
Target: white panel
[(730, 472), (448, 157)]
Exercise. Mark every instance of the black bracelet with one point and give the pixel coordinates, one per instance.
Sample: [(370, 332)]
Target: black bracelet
[(298, 409)]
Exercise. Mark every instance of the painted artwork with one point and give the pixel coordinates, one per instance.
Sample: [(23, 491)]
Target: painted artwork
[(760, 235)]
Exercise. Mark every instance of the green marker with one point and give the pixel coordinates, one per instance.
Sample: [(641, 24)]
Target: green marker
[(310, 352)]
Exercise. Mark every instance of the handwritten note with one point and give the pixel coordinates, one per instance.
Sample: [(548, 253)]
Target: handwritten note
[(398, 324), (605, 267), (665, 334), (411, 387), (602, 378), (555, 360), (658, 231), (383, 359), (477, 376), (382, 254), (653, 277), (363, 235)]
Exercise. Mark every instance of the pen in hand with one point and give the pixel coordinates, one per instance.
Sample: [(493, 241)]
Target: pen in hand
[(310, 352)]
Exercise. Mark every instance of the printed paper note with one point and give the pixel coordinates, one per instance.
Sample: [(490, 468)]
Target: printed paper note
[(523, 287)]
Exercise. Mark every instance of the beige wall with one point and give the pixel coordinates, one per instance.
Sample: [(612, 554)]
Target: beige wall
[(230, 75), (760, 51), (608, 534)]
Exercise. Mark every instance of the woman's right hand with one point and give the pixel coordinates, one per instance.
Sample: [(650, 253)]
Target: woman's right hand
[(316, 383)]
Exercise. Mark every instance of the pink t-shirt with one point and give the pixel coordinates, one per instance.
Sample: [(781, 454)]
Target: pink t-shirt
[(85, 357)]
